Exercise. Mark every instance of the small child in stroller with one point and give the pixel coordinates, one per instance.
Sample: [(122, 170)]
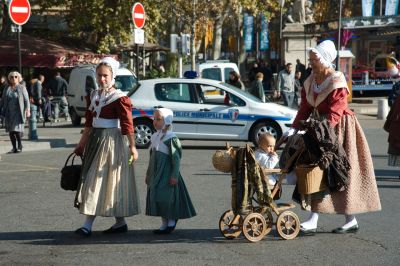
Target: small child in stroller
[(266, 155)]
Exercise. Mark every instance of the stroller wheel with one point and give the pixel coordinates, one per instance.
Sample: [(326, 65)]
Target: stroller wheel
[(230, 224), (288, 225), (254, 227)]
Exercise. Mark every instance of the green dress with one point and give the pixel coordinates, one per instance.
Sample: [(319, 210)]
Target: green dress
[(171, 202)]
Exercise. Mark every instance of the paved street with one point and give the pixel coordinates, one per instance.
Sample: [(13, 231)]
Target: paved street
[(38, 219)]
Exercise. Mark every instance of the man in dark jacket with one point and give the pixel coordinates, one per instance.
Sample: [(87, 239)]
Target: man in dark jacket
[(58, 90)]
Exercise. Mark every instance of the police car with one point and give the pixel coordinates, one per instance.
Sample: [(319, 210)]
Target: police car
[(206, 109)]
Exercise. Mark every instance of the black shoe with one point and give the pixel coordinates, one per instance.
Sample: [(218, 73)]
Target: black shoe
[(83, 232), (20, 148), (341, 230), (172, 228), (116, 230), (13, 151), (162, 232), (308, 232)]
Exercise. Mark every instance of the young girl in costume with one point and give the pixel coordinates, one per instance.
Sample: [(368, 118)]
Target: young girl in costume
[(167, 195)]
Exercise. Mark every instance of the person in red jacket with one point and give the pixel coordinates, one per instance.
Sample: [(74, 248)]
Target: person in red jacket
[(108, 186), (326, 91)]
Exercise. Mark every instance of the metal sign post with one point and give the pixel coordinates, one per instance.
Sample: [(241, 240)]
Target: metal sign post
[(19, 11)]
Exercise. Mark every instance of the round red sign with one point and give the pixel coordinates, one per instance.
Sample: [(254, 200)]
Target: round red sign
[(138, 15), (19, 11)]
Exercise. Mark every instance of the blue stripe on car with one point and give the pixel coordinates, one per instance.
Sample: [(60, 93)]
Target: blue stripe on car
[(212, 115)]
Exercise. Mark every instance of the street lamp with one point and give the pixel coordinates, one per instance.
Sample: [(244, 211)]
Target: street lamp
[(339, 35), (282, 3)]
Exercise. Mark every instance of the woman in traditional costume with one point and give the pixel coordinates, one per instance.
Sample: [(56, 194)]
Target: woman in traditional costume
[(167, 195), (108, 186), (326, 91)]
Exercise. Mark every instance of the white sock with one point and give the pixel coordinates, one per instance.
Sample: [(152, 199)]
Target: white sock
[(311, 223), (171, 222), (350, 221), (119, 221), (164, 223), (89, 222)]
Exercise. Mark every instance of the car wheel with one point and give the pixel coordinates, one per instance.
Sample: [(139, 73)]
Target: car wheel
[(143, 131), (75, 118), (265, 127)]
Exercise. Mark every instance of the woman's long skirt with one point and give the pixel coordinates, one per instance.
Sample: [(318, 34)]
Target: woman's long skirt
[(361, 194), (108, 186)]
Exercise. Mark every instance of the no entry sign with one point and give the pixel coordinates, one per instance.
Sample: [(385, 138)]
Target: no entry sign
[(138, 15), (20, 11)]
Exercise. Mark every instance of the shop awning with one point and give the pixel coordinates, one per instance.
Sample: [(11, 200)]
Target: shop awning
[(36, 52)]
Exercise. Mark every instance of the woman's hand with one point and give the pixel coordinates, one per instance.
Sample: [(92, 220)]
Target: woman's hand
[(173, 181), (28, 113), (284, 137), (134, 153), (79, 149)]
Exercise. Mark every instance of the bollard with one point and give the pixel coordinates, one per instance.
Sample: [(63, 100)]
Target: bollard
[(383, 109), (33, 123)]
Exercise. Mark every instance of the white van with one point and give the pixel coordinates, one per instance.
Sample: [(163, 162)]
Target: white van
[(83, 80), (217, 70)]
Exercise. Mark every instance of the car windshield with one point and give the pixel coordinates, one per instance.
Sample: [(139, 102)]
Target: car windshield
[(125, 83), (242, 93)]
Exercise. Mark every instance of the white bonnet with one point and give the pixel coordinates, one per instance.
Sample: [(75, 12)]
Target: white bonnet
[(113, 63), (326, 52), (167, 114)]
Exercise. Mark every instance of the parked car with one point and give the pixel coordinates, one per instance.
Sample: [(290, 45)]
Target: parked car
[(83, 80), (231, 114)]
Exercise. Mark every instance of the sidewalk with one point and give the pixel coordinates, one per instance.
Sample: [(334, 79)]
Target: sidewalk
[(58, 135)]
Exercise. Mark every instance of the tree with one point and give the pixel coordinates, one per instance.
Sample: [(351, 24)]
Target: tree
[(105, 22), (5, 22)]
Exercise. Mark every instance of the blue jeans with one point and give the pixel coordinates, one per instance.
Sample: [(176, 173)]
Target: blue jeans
[(288, 98)]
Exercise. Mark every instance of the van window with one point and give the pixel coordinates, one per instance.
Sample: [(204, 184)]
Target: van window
[(173, 92), (212, 73), (89, 85), (125, 83), (227, 70)]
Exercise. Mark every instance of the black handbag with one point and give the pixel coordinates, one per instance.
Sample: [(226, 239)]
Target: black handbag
[(70, 174)]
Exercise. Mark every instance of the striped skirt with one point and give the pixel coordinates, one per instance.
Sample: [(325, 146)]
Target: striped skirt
[(108, 186)]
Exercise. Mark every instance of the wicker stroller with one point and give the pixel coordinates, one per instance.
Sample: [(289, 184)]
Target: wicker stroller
[(253, 202)]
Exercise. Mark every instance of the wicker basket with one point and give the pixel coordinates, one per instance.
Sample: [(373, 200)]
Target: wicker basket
[(222, 161), (310, 179)]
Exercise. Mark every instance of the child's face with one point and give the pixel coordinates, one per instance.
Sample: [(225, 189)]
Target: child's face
[(268, 145), (158, 121)]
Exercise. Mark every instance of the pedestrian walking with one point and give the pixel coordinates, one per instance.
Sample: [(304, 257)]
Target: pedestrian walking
[(325, 91), (298, 85), (107, 187), (392, 125), (3, 84), (286, 85), (38, 97), (58, 90), (234, 80), (15, 108), (167, 195), (257, 88), (300, 67)]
